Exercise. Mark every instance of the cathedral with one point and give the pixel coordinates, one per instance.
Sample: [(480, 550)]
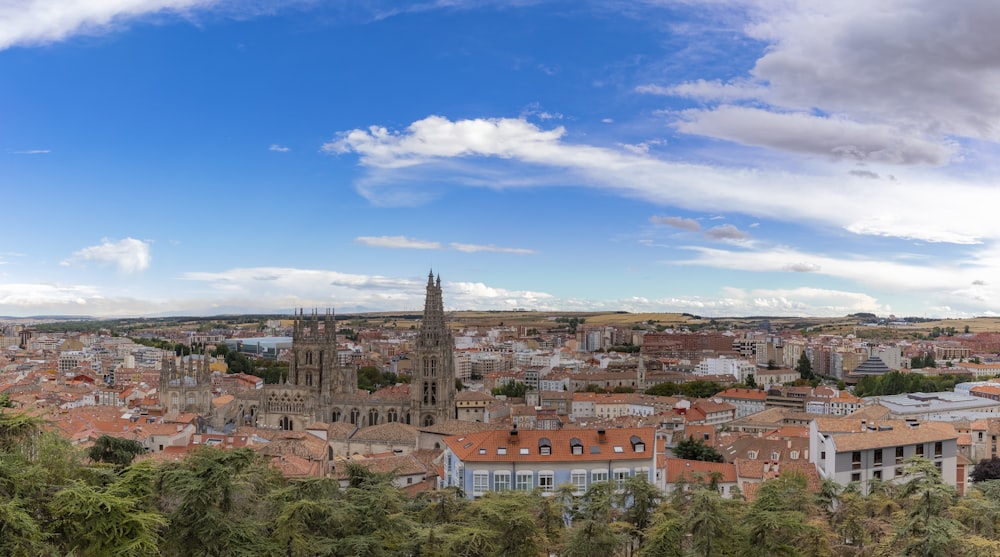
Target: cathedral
[(318, 389)]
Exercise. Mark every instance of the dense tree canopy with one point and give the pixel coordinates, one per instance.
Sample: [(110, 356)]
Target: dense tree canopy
[(56, 502), (894, 383)]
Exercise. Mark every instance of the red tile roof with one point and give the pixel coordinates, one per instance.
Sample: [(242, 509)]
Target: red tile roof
[(501, 446)]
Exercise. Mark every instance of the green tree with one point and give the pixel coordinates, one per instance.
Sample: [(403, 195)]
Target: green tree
[(700, 388), (515, 389), (696, 449), (804, 367), (663, 389), (115, 450), (96, 522)]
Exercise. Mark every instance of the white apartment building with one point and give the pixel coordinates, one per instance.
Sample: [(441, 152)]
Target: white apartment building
[(857, 451), (739, 369)]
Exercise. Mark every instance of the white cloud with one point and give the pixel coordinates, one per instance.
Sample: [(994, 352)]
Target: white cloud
[(279, 148), (677, 222), (437, 147), (32, 152), (129, 255), (956, 282), (726, 232), (915, 74), (28, 22), (708, 90), (473, 248), (398, 242), (804, 133)]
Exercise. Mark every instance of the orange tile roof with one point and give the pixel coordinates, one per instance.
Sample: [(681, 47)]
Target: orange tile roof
[(501, 446), (682, 470)]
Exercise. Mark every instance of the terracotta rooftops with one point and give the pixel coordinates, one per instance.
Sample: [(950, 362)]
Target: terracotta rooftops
[(539, 445), (691, 471), (388, 432), (904, 434)]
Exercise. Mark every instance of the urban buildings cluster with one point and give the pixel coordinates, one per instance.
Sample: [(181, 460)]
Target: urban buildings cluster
[(577, 410)]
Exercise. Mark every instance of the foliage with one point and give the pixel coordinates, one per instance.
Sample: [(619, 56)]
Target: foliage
[(663, 389), (987, 469), (115, 450), (700, 389), (804, 367), (371, 378), (696, 449), (923, 360), (515, 389), (53, 502), (894, 383)]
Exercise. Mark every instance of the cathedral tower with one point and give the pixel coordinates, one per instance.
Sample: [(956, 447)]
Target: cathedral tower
[(432, 390), (314, 356), (187, 387)]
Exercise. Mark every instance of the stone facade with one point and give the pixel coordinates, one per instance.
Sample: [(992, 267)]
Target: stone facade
[(319, 389)]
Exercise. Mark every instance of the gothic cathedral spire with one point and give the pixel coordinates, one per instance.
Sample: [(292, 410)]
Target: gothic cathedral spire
[(433, 385)]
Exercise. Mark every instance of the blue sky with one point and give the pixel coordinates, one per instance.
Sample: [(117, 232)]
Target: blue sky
[(722, 158)]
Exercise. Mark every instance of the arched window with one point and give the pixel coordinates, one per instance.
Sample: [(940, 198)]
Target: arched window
[(335, 415), (373, 417), (428, 420), (392, 415), (285, 423), (309, 379), (355, 414), (309, 358)]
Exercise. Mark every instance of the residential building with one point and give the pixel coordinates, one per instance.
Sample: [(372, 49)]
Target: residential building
[(525, 460), (849, 450)]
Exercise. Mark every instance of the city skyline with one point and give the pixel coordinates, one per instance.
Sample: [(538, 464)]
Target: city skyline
[(721, 158)]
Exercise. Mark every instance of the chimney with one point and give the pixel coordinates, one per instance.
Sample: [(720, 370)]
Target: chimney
[(513, 436), (602, 435)]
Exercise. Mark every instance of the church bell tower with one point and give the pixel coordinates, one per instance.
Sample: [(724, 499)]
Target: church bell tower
[(432, 390)]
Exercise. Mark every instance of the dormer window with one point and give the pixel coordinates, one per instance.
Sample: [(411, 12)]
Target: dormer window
[(575, 446), (638, 445), (752, 455), (545, 446)]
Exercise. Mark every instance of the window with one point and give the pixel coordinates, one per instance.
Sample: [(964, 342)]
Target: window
[(501, 450), (899, 455), (576, 446), (638, 446), (620, 476), (525, 481), (546, 480), (544, 446), (501, 481), (878, 457), (856, 477), (856, 460), (920, 450), (794, 455), (877, 474), (480, 482), (938, 449), (579, 480), (598, 476)]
